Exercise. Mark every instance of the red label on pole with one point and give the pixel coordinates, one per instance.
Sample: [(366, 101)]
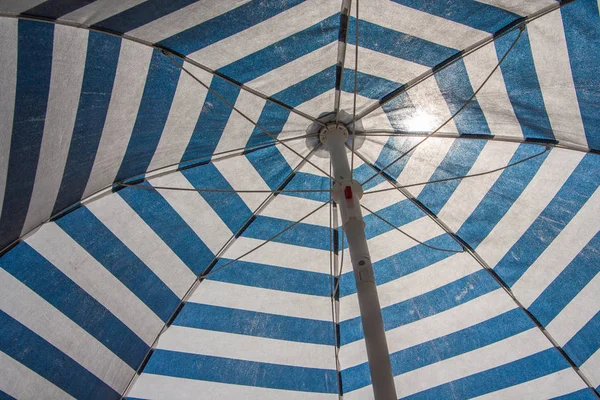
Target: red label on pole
[(348, 192)]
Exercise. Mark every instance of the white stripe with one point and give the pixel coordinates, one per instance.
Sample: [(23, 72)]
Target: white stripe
[(19, 6), (8, 87), (131, 229), (546, 387), (24, 305), (563, 249), (493, 97), (241, 175), (68, 66), (553, 69), (420, 24), (520, 7), (423, 162), (383, 65), (130, 79), (280, 254), (70, 258), (238, 129), (296, 71), (577, 313), (99, 10), (436, 326), (183, 19), (183, 116), (245, 347), (553, 173), (293, 208), (157, 387), (266, 33), (20, 382), (431, 109), (394, 242), (257, 299), (416, 283), (194, 210), (491, 356), (591, 368), (469, 193)]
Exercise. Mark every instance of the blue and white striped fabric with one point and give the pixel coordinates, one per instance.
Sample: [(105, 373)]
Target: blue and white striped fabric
[(100, 296)]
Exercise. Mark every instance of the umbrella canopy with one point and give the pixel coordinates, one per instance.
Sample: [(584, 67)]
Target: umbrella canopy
[(166, 221)]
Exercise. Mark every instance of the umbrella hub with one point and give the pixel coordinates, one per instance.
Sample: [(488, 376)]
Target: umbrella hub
[(333, 129), (319, 132)]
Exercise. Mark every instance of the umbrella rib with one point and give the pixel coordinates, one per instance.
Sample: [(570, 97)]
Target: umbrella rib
[(263, 243), (215, 259), (468, 249), (492, 138), (342, 44), (410, 236), (181, 189), (455, 113), (517, 24), (546, 149), (166, 50), (233, 107), (355, 94)]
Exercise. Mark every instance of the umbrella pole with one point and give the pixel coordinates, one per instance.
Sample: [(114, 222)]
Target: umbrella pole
[(347, 193)]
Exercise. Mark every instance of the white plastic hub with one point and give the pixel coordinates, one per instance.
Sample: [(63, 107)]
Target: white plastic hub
[(333, 129)]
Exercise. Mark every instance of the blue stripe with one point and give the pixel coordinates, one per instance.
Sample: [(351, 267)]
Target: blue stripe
[(229, 206), (394, 147), (582, 183), (399, 214), (141, 14), (273, 277), (4, 396), (586, 342), (271, 166), (514, 373), (34, 64), (523, 87), (212, 120), (308, 181), (283, 52), (581, 21), (305, 235), (400, 111), (46, 360), (474, 337), (466, 12), (55, 9), (155, 105), (444, 298), (383, 40), (369, 86), (98, 79), (456, 89), (568, 284), (47, 281), (222, 319), (169, 226), (583, 394), (105, 247), (225, 25), (405, 262), (308, 89), (459, 159), (505, 191), (241, 372)]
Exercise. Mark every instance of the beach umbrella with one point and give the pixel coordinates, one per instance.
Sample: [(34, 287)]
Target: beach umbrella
[(272, 199)]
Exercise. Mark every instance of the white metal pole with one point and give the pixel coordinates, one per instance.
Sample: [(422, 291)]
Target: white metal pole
[(347, 194)]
